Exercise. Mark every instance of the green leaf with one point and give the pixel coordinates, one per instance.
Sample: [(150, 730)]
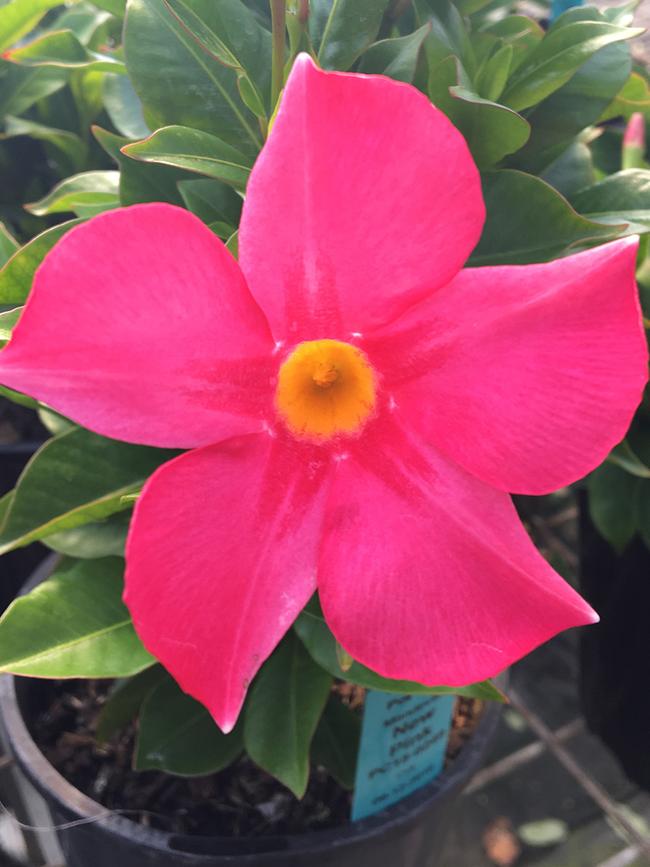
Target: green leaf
[(8, 320), (195, 151), (68, 146), (494, 74), (155, 39), (555, 59), (73, 625), (85, 195), (176, 734), (448, 35), (124, 107), (212, 201), (125, 700), (231, 34), (17, 274), (74, 479), (62, 49), (632, 97), (623, 196), (643, 511), (529, 221), (19, 17), (22, 86), (492, 131), (397, 58), (571, 171), (626, 458), (282, 712), (336, 742), (8, 245), (98, 539), (613, 496), (321, 644), (86, 22), (115, 7), (520, 32), (342, 30)]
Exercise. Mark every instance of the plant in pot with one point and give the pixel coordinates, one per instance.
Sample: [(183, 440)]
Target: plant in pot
[(303, 416)]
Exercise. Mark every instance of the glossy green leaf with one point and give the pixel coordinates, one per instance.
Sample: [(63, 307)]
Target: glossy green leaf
[(520, 32), (86, 194), (397, 58), (87, 22), (494, 74), (621, 197), (336, 742), (19, 17), (448, 35), (492, 131), (632, 97), (73, 625), (231, 34), (212, 201), (195, 151), (282, 712), (55, 423), (571, 171), (22, 86), (528, 221), (176, 734), (70, 148), (321, 644), (17, 274), (155, 39), (98, 539), (125, 700), (63, 49), (8, 245), (613, 503), (8, 320), (123, 106), (74, 479), (557, 57), (342, 30)]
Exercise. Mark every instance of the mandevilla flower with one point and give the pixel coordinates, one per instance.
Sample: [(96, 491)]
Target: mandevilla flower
[(358, 407)]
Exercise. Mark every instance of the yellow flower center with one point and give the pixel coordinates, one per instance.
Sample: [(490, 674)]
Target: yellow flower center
[(326, 388)]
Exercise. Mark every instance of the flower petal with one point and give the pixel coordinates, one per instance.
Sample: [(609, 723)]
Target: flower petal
[(221, 558), (140, 327), (364, 198), (427, 574), (527, 375)]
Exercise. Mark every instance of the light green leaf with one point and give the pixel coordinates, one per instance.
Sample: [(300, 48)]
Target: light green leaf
[(195, 151), (17, 274), (282, 712), (61, 49), (520, 32), (397, 58), (8, 245), (528, 221), (74, 479), (321, 644), (73, 625), (124, 107), (98, 539), (155, 39), (176, 734), (125, 700), (632, 97), (86, 194), (19, 17), (555, 59), (336, 742), (494, 74), (8, 320), (342, 30)]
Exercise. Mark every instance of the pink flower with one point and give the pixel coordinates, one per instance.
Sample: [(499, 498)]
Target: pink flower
[(357, 406)]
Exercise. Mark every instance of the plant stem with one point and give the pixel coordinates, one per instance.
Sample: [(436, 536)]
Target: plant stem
[(278, 29)]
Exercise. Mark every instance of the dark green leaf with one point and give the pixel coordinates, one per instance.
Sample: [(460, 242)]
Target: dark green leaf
[(85, 195), (613, 503), (195, 151), (212, 201), (74, 479), (624, 196), (73, 625), (70, 147), (529, 221), (17, 275), (448, 35), (342, 29), (336, 742), (98, 539), (321, 644), (518, 31), (282, 712), (177, 735), (22, 86), (124, 107), (397, 58), (571, 171), (125, 700), (154, 39), (494, 74)]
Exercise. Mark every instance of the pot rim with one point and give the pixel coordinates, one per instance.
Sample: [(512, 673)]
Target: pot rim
[(393, 819)]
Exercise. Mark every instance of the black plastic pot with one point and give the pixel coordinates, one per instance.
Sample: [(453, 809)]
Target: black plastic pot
[(409, 834)]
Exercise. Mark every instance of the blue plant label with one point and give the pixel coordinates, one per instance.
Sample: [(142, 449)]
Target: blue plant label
[(403, 744)]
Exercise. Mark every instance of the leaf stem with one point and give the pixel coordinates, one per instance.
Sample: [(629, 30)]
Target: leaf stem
[(278, 29)]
